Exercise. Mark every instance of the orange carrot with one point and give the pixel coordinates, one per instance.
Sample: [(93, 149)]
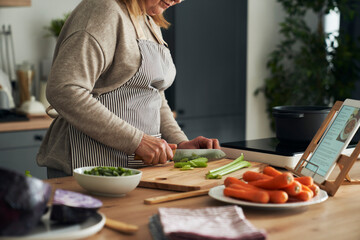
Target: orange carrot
[(275, 196), (250, 176), (280, 181), (248, 194), (231, 180), (315, 188), (293, 189), (306, 180), (307, 189), (268, 170), (304, 196)]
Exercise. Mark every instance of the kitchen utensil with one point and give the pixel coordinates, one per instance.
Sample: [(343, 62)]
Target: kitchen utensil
[(9, 52), (210, 154), (33, 107), (2, 52), (165, 176), (176, 196), (298, 123), (121, 226), (106, 185)]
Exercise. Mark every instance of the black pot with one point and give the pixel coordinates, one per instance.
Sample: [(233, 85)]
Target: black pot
[(298, 124)]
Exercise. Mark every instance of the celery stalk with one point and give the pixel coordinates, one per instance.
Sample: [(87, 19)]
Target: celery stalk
[(229, 165), (237, 164)]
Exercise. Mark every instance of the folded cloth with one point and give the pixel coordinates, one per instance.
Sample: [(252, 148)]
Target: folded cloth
[(213, 223), (156, 229)]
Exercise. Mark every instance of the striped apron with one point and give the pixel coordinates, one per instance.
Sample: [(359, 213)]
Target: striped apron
[(137, 102)]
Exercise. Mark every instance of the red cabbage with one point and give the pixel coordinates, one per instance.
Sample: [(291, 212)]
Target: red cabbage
[(71, 207), (23, 201)]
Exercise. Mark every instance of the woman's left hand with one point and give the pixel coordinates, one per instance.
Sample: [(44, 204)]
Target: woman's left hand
[(200, 142)]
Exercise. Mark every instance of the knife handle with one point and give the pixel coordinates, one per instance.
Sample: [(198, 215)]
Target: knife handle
[(121, 226), (137, 157), (176, 196)]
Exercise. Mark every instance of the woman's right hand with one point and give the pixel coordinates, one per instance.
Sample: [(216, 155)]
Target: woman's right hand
[(154, 150)]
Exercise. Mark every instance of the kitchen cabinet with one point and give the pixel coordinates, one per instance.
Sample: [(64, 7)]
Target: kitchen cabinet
[(9, 3), (18, 150), (208, 44)]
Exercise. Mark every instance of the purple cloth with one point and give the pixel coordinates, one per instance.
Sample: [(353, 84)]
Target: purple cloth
[(215, 223)]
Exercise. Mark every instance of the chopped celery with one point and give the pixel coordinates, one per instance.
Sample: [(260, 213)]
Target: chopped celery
[(186, 167), (180, 164), (195, 163), (235, 165)]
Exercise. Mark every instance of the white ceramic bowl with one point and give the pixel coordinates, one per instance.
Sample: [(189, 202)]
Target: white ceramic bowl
[(105, 185)]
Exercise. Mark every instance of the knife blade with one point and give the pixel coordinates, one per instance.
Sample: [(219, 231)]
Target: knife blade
[(210, 154), (179, 154)]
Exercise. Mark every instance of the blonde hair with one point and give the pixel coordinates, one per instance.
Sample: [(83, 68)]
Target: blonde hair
[(137, 7)]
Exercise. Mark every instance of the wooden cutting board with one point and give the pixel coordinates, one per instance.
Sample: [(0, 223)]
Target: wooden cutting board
[(169, 178)]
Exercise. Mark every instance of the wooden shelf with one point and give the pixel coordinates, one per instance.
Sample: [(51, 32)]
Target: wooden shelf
[(15, 3)]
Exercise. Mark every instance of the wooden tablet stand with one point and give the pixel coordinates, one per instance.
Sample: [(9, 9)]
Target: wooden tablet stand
[(344, 162)]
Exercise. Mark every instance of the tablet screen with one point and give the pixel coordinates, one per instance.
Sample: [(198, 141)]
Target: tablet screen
[(334, 140)]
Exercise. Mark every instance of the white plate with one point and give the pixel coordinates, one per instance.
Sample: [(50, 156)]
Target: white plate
[(217, 193), (49, 230)]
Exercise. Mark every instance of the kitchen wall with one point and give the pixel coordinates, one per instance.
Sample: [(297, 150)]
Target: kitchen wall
[(263, 18), (263, 21), (27, 24)]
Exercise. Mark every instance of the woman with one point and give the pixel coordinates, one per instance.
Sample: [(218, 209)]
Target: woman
[(107, 82)]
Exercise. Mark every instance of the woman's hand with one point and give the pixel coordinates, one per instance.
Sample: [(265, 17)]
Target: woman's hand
[(154, 151), (200, 142)]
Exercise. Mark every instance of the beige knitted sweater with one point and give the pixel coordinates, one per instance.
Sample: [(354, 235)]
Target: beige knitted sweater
[(96, 52)]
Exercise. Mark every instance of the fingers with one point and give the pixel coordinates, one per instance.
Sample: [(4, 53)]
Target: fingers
[(216, 143), (201, 142), (211, 143), (154, 151)]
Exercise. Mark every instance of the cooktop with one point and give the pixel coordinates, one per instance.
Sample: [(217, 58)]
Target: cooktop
[(270, 151)]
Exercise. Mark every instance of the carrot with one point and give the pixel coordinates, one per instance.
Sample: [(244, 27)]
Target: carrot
[(250, 176), (248, 194), (268, 170), (306, 180), (281, 181), (231, 180), (307, 189), (315, 189), (275, 196), (303, 196), (293, 189)]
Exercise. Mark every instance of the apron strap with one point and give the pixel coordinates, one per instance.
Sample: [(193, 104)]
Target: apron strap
[(158, 38), (139, 31)]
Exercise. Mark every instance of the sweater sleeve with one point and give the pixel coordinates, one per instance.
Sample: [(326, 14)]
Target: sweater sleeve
[(77, 66), (169, 128)]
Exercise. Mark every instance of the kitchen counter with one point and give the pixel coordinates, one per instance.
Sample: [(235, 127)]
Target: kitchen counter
[(336, 218), (33, 124)]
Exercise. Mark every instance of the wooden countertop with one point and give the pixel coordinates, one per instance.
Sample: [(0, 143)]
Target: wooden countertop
[(336, 218), (33, 124)]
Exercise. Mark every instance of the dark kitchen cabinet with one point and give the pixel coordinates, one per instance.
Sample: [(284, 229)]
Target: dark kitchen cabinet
[(207, 40), (18, 151)]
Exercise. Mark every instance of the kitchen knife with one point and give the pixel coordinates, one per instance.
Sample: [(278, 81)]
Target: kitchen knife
[(210, 154)]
